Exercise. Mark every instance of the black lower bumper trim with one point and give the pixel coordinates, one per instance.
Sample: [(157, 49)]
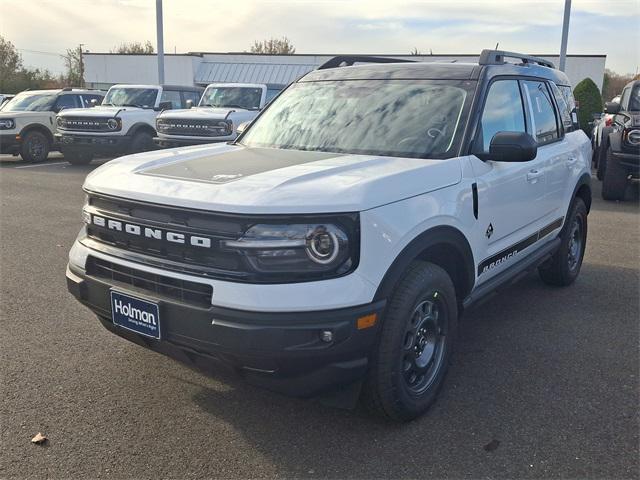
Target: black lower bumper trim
[(95, 143), (9, 143), (174, 142), (281, 351)]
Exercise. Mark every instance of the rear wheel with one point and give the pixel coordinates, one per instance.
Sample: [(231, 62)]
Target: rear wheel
[(410, 362), (76, 156), (614, 178), (563, 268), (35, 147), (142, 142)]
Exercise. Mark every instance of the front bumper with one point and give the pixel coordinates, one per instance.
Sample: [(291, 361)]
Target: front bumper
[(10, 143), (283, 352), (630, 161), (183, 142), (94, 143)]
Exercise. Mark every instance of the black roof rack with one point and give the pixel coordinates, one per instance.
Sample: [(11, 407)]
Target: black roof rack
[(497, 57), (349, 60)]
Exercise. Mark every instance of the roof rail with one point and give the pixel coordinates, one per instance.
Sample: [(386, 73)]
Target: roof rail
[(497, 57), (349, 60)]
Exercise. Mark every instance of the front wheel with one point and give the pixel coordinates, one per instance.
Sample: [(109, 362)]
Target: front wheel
[(563, 268), (409, 365), (35, 147), (76, 156), (142, 142)]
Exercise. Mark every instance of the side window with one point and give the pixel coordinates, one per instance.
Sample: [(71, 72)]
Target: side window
[(503, 112), (544, 125), (190, 95), (624, 99), (67, 101), (565, 111), (172, 96), (86, 100), (567, 94)]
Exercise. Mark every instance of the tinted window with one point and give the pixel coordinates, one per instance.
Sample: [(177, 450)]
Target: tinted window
[(624, 99), (544, 124), (565, 111), (67, 101), (401, 118), (634, 99), (502, 112), (189, 95), (172, 96), (271, 94)]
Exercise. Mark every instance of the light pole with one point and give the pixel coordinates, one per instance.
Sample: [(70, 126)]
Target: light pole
[(81, 65), (160, 41), (565, 34)]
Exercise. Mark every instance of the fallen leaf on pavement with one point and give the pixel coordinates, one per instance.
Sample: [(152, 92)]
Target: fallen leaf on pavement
[(39, 439)]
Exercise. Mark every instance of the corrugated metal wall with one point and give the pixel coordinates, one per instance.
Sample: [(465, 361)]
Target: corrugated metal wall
[(268, 73)]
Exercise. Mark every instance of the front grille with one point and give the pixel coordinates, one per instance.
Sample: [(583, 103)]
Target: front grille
[(89, 124), (196, 128), (192, 293)]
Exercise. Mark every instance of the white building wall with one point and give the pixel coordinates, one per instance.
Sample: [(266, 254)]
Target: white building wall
[(103, 70)]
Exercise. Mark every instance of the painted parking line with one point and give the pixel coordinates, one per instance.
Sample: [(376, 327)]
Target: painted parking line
[(42, 165)]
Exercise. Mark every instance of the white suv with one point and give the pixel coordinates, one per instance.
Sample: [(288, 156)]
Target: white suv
[(124, 122), (336, 242), (27, 121), (222, 108)]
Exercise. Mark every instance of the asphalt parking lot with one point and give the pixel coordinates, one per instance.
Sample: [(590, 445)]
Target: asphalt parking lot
[(544, 382)]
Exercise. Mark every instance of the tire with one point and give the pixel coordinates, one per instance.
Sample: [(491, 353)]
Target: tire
[(141, 142), (35, 147), (563, 268), (77, 157), (409, 364), (614, 178)]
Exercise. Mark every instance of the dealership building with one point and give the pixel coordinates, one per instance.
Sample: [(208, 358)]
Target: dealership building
[(201, 68)]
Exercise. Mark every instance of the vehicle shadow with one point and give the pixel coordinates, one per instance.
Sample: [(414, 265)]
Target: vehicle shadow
[(527, 363)]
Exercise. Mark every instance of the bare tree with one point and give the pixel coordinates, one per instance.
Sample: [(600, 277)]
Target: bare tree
[(273, 46), (613, 84), (133, 48), (74, 67)]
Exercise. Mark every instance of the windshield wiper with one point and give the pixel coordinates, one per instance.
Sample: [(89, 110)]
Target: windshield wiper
[(132, 105), (109, 104)]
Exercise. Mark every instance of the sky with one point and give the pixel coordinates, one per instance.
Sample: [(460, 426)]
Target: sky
[(44, 29)]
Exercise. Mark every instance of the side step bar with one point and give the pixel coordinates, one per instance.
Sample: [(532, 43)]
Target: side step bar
[(512, 274)]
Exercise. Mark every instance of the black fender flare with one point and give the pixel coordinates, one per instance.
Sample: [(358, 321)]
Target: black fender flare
[(136, 127), (615, 141), (444, 234), (583, 181), (40, 128)]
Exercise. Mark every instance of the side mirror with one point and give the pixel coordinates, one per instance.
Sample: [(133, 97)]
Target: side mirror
[(93, 102), (512, 147), (242, 127), (189, 103), (611, 107), (164, 106)]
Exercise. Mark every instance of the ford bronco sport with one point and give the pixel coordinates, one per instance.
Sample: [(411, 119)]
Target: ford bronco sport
[(222, 108), (27, 121), (620, 151), (125, 122), (335, 244)]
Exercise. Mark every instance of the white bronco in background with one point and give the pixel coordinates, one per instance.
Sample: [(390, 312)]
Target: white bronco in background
[(222, 108), (124, 122)]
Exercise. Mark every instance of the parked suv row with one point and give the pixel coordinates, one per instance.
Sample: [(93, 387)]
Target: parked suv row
[(124, 123), (28, 120)]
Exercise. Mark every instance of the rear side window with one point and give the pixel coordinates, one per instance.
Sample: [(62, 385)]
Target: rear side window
[(634, 100), (565, 111), (503, 112), (172, 96), (544, 125), (271, 94)]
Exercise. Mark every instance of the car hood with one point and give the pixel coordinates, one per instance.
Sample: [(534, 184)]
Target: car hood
[(199, 113), (97, 112), (238, 179), (24, 114)]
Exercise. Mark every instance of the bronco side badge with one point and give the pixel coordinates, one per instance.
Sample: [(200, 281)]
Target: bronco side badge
[(489, 231)]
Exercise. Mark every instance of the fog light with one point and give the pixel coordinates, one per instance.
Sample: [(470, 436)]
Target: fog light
[(326, 336)]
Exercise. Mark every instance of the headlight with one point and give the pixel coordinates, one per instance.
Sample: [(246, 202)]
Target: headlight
[(114, 124), (633, 137), (7, 123), (311, 250), (60, 122), (221, 128)]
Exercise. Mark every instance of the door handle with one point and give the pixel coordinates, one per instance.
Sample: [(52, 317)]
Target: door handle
[(534, 175)]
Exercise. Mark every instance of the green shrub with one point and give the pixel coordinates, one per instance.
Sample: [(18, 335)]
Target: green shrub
[(589, 101)]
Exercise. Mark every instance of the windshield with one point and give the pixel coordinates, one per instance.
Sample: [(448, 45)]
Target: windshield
[(401, 118), (30, 102), (131, 97), (232, 97), (634, 101)]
